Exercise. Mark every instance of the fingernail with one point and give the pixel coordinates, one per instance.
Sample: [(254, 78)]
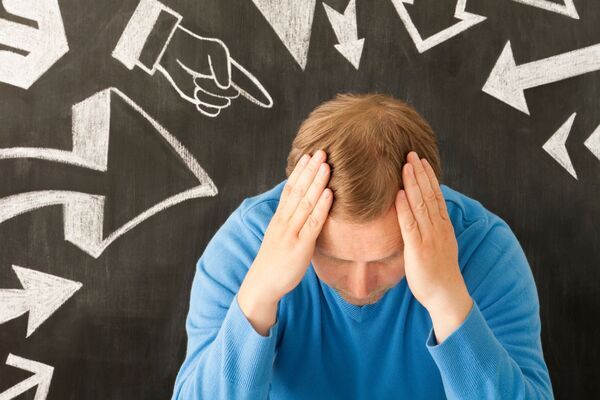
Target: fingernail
[(409, 168), (425, 162), (304, 159)]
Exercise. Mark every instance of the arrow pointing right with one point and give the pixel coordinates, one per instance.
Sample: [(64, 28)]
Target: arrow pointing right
[(507, 81), (41, 296), (42, 376)]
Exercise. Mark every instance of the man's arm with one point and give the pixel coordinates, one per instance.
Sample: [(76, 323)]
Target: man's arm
[(496, 352), (226, 357)]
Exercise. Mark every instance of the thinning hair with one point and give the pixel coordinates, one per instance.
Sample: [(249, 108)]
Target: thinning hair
[(367, 138)]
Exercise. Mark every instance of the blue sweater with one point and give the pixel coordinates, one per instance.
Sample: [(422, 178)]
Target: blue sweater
[(322, 347)]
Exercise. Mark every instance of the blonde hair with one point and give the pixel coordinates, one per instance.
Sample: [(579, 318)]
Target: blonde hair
[(367, 138)]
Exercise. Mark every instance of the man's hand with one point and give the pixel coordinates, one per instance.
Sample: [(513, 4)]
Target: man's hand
[(430, 248), (289, 241)]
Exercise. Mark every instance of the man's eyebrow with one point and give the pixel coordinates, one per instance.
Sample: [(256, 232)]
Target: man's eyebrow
[(394, 254)]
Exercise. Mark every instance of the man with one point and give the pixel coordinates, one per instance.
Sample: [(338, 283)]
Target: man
[(360, 276)]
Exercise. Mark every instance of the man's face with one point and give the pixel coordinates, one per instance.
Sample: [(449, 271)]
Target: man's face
[(360, 261)]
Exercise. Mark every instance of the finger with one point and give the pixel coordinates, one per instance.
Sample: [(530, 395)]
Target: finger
[(218, 59), (209, 86), (426, 190), (314, 224), (309, 201), (210, 100), (408, 224), (298, 190), (291, 181), (439, 195), (208, 110), (180, 80), (415, 200)]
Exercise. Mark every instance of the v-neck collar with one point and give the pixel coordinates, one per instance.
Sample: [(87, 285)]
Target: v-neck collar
[(357, 313)]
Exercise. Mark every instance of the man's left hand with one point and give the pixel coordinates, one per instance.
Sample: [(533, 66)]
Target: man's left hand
[(430, 248)]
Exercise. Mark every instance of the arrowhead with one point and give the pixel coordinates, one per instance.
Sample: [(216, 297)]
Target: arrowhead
[(292, 21), (352, 51), (45, 294), (41, 378), (555, 146), (593, 142), (503, 83)]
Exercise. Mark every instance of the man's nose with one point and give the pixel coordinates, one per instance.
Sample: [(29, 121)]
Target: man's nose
[(359, 284)]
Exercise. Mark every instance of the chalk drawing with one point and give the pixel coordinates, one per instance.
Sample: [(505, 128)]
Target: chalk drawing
[(467, 20), (41, 296), (43, 45), (205, 75), (292, 21), (346, 31), (83, 212), (507, 81), (555, 146), (42, 377), (567, 8)]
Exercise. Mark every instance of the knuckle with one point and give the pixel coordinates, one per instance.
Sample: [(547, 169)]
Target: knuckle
[(420, 206), (306, 204), (288, 188), (313, 222), (429, 196), (411, 225)]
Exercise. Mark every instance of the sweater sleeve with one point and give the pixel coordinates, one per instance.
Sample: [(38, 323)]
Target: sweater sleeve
[(496, 353), (146, 35), (226, 358)]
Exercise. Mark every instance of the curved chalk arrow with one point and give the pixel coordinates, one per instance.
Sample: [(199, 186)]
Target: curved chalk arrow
[(42, 376), (567, 8), (44, 46), (467, 21), (507, 81), (83, 212), (346, 31), (41, 296)]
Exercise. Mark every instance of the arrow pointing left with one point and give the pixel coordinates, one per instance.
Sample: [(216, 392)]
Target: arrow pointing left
[(41, 296), (42, 376)]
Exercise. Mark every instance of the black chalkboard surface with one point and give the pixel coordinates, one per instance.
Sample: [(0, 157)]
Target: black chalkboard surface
[(118, 167)]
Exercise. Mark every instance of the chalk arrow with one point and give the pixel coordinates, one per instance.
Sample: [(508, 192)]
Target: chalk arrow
[(83, 212), (41, 296), (346, 31), (555, 146), (42, 376), (507, 81), (567, 8), (467, 20), (43, 46), (292, 21), (593, 142)]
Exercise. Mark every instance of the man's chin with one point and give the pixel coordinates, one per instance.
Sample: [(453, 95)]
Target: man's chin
[(363, 302)]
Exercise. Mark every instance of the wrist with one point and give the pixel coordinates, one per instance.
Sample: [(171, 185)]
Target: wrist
[(449, 311)]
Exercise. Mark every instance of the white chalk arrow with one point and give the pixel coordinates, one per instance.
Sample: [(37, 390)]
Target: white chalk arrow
[(507, 81), (43, 45), (555, 146), (42, 376), (467, 20), (567, 8), (346, 31), (292, 21), (83, 212), (593, 142), (41, 296)]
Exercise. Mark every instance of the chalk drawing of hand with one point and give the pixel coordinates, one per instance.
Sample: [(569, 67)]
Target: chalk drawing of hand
[(203, 73), (35, 49)]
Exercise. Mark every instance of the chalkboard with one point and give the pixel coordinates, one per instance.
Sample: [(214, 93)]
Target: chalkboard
[(116, 170)]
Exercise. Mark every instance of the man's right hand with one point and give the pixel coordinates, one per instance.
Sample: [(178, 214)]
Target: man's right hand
[(289, 241)]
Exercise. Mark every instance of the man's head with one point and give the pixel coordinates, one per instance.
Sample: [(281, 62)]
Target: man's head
[(367, 138)]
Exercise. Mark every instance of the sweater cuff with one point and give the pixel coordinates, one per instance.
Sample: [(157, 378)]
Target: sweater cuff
[(249, 356), (151, 22), (470, 351)]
